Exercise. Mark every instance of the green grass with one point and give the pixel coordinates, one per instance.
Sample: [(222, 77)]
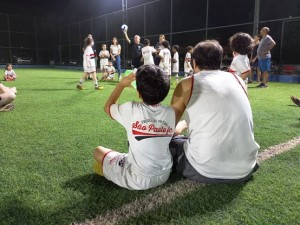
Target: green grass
[(46, 159)]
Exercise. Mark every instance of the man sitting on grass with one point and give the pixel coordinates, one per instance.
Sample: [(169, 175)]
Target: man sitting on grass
[(220, 147), (149, 126)]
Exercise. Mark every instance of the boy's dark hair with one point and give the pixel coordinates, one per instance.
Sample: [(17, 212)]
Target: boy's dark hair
[(165, 44), (241, 43), (7, 65), (146, 42), (208, 55), (87, 41), (176, 47), (152, 84), (189, 48)]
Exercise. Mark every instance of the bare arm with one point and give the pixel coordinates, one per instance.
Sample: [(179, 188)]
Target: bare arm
[(113, 98), (127, 38), (181, 97)]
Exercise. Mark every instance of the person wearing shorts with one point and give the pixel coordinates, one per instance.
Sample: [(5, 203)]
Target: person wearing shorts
[(220, 146), (264, 56), (149, 126)]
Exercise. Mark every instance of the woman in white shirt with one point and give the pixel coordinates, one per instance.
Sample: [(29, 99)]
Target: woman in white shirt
[(115, 52)]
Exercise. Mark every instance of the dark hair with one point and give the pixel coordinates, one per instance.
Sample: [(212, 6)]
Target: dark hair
[(103, 45), (146, 42), (87, 41), (116, 39), (241, 43), (152, 84), (208, 55), (176, 47), (165, 44), (7, 65), (189, 48), (259, 36)]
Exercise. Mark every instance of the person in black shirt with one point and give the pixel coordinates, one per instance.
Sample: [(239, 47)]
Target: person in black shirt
[(254, 60), (136, 47)]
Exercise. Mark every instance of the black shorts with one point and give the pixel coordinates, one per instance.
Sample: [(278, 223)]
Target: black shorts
[(183, 166)]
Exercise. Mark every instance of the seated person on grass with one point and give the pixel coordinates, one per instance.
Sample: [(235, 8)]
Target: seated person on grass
[(109, 73), (7, 95), (149, 126), (9, 73), (220, 147)]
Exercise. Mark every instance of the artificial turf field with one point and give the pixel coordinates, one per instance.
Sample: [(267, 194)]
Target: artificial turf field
[(46, 147)]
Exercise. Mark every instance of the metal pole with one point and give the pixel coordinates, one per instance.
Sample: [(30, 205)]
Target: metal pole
[(9, 38), (281, 43), (256, 17), (206, 22), (124, 9), (36, 41), (171, 23)]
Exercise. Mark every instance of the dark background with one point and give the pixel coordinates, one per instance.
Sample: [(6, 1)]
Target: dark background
[(54, 30)]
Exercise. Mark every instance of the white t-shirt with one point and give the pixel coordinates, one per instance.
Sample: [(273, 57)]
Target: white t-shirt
[(175, 68), (110, 69), (221, 139), (89, 64), (147, 55), (165, 62), (149, 132), (239, 65), (187, 63), (104, 55), (10, 73), (115, 49)]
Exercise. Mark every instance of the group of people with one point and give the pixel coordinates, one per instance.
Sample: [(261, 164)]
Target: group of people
[(258, 49), (212, 105)]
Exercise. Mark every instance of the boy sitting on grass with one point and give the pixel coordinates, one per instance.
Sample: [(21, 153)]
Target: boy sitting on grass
[(149, 126)]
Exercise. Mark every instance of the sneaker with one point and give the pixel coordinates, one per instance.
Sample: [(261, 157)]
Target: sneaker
[(99, 88), (80, 87), (295, 100), (262, 85), (7, 108)]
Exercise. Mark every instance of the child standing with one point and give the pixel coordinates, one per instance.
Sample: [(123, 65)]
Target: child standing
[(147, 52), (109, 73), (103, 55), (188, 69), (175, 62), (150, 127), (165, 58), (9, 73), (89, 65), (241, 45)]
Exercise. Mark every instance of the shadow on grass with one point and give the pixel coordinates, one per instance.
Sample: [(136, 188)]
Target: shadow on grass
[(90, 195), (204, 200)]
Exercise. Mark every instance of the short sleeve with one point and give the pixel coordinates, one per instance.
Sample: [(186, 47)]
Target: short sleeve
[(121, 113), (242, 67), (119, 47), (5, 72), (161, 53)]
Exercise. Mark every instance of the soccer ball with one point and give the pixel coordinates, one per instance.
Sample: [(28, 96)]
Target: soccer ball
[(124, 27)]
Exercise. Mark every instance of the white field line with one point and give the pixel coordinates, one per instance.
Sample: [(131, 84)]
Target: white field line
[(168, 194)]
